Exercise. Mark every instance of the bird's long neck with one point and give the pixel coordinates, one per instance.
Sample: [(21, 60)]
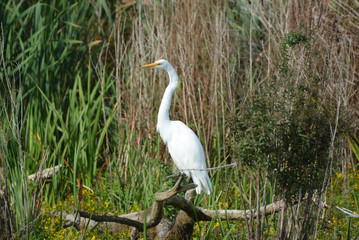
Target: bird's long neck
[(163, 113)]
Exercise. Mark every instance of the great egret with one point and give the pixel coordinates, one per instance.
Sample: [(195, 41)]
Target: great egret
[(183, 144)]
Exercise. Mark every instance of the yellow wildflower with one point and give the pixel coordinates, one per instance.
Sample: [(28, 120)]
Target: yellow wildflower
[(137, 208)]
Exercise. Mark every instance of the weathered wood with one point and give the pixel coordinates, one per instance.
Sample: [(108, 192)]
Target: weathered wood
[(47, 173), (182, 226), (203, 214)]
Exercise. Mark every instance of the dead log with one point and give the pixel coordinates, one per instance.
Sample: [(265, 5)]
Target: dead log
[(47, 173), (182, 227)]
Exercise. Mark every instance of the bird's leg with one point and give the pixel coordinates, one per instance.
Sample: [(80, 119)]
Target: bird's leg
[(175, 175), (184, 182), (181, 178), (177, 188)]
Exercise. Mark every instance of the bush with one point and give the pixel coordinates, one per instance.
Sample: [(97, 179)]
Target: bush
[(285, 127)]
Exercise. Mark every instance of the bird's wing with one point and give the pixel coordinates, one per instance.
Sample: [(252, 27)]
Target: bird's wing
[(187, 153), (185, 147)]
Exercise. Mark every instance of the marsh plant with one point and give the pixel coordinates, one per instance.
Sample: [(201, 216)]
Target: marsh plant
[(286, 131)]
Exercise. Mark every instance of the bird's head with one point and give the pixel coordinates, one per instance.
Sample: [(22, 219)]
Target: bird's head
[(162, 64)]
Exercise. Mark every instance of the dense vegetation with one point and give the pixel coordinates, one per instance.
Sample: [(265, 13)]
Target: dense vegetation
[(268, 85)]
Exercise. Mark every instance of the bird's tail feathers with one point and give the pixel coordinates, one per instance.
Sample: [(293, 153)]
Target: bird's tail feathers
[(203, 183)]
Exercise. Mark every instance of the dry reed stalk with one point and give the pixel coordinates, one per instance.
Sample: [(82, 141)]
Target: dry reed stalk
[(200, 56), (197, 39)]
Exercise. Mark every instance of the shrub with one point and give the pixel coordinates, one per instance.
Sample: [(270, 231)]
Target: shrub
[(284, 126)]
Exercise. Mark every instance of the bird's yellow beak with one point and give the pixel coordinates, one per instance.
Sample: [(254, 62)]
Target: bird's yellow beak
[(150, 65)]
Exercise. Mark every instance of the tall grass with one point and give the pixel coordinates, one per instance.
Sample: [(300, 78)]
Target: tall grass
[(80, 100), (197, 102), (13, 179), (48, 117)]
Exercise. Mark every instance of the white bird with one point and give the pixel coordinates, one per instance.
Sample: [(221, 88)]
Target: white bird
[(183, 144)]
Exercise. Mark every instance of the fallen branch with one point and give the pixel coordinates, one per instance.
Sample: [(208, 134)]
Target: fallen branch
[(135, 219), (203, 214), (47, 173), (73, 219), (188, 215)]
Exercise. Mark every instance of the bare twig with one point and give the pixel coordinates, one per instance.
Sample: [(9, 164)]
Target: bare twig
[(348, 212), (207, 169)]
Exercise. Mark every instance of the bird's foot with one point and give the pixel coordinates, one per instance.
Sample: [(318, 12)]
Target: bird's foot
[(181, 177), (176, 175), (177, 188)]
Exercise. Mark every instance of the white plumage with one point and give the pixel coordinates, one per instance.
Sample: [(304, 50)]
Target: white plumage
[(183, 144)]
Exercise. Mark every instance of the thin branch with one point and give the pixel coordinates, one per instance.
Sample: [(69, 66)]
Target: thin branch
[(348, 212), (207, 169)]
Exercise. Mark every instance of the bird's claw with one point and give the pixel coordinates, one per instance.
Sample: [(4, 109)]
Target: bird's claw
[(177, 188)]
